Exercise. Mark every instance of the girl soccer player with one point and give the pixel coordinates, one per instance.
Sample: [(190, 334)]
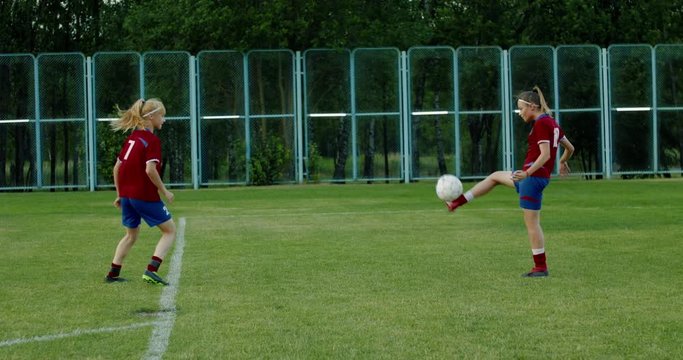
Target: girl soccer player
[(543, 141), (138, 184)]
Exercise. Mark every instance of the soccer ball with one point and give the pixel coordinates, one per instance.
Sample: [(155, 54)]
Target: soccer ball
[(448, 187)]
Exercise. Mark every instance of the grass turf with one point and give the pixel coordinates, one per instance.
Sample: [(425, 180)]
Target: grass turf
[(353, 271)]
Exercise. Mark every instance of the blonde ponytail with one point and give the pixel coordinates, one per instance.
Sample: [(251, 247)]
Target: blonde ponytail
[(135, 116), (535, 98), (544, 105)]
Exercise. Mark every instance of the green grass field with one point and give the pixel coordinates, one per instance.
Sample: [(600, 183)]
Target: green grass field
[(350, 271)]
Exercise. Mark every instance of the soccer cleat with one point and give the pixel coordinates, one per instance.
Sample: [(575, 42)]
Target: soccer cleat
[(153, 278), (536, 272), (109, 279)]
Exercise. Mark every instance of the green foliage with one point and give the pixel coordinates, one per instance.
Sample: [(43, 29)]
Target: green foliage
[(268, 160), (313, 163), (224, 155), (193, 25), (109, 144)]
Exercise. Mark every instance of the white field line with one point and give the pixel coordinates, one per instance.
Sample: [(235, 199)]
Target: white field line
[(158, 341), (281, 212), (296, 212), (75, 333)]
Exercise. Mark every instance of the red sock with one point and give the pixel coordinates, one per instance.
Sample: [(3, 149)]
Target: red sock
[(452, 205), (461, 200), (539, 262), (154, 264), (115, 270)]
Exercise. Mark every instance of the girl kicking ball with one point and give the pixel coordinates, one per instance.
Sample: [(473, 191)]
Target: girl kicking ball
[(543, 141)]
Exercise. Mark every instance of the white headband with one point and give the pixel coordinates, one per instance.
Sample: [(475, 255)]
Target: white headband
[(152, 112)]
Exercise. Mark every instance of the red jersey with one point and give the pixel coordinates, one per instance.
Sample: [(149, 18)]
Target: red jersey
[(544, 129), (141, 147)]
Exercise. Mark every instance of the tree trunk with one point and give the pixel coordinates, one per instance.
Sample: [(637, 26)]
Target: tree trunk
[(342, 149), (4, 99), (3, 156), (674, 92), (369, 162), (475, 130), (385, 145), (53, 155), (491, 149), (440, 147), (284, 100), (438, 135), (310, 141), (417, 132), (31, 173), (75, 159), (66, 153), (261, 97), (18, 171), (176, 159), (680, 144)]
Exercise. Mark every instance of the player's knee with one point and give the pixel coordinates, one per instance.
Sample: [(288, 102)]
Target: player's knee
[(168, 228), (131, 238), (499, 177), (132, 234)]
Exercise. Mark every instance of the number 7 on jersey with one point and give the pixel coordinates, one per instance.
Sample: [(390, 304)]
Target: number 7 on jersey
[(132, 143)]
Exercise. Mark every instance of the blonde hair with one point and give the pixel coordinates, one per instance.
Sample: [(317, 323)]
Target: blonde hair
[(535, 98), (136, 116)]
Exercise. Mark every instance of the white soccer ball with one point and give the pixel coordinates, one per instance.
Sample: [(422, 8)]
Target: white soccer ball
[(448, 187)]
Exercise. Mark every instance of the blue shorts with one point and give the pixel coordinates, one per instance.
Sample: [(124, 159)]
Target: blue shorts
[(154, 212), (530, 192)]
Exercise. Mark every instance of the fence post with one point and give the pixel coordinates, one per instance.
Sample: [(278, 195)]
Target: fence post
[(655, 121), (298, 117), (247, 119), (507, 110), (606, 115), (556, 109), (193, 123), (91, 126), (405, 116), (354, 129), (39, 149)]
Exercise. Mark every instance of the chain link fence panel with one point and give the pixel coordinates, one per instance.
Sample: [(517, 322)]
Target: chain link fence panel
[(432, 109), (631, 115), (529, 66), (222, 123), (167, 77), (480, 111), (580, 106), (376, 104), (17, 122), (370, 114), (669, 74), (327, 114), (117, 85), (271, 136), (63, 126)]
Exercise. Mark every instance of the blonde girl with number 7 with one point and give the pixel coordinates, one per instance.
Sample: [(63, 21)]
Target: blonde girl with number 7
[(544, 139), (138, 184)]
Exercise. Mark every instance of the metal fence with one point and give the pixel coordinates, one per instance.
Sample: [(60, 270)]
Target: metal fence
[(339, 115)]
